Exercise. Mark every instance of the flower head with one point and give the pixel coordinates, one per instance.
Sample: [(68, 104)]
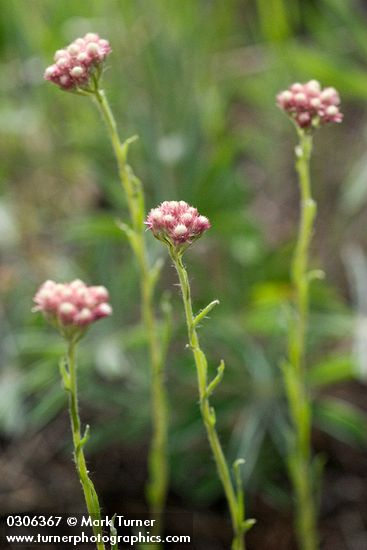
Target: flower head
[(75, 63), (176, 223), (309, 105), (72, 307)]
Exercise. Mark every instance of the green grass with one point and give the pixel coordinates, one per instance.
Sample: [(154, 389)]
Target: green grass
[(196, 81)]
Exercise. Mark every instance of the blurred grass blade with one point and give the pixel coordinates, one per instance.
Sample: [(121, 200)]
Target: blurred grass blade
[(342, 420), (332, 370)]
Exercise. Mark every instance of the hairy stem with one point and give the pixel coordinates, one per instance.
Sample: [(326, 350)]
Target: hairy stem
[(90, 495), (236, 507), (158, 455), (297, 392)]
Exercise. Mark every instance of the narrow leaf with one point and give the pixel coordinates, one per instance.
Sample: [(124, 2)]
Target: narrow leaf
[(214, 383), (342, 420), (155, 272), (332, 370), (205, 312), (247, 524), (113, 532), (239, 487), (64, 374), (126, 144)]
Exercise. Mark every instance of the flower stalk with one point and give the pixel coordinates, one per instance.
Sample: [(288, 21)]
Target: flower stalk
[(158, 454), (69, 377), (72, 308), (300, 403), (309, 107), (233, 493), (178, 225)]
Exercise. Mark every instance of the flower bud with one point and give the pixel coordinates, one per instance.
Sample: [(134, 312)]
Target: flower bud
[(309, 105), (66, 312), (176, 223), (72, 306), (75, 64)]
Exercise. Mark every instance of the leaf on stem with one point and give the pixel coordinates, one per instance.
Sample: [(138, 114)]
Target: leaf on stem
[(129, 233), (204, 312), (64, 373), (113, 532), (97, 508), (237, 469), (84, 440), (218, 378), (247, 524), (166, 308), (86, 436), (239, 488), (315, 274), (212, 417), (126, 144), (155, 272)]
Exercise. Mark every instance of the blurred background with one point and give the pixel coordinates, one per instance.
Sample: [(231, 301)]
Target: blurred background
[(196, 80)]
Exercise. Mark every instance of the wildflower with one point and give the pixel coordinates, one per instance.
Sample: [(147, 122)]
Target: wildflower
[(176, 223), (75, 64), (309, 105), (72, 306)]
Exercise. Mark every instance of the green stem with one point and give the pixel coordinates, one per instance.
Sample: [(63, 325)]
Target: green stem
[(297, 391), (158, 455), (236, 508), (90, 494)]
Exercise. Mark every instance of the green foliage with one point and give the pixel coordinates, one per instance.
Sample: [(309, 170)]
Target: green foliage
[(196, 81), (342, 420)]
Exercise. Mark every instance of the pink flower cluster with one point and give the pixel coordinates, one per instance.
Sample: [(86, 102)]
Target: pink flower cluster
[(177, 222), (309, 105), (74, 64), (72, 303)]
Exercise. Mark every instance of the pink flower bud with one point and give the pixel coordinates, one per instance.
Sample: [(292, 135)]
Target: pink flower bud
[(187, 219), (92, 49), (177, 223), (77, 283), (77, 72), (102, 310), (66, 313), (284, 98), (59, 54), (309, 105), (180, 230), (203, 221), (83, 57), (91, 37), (65, 82), (73, 49), (168, 219), (315, 102), (72, 305), (297, 87), (331, 110), (300, 99), (313, 87), (99, 293), (74, 64), (84, 317), (303, 120), (330, 96), (50, 72)]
